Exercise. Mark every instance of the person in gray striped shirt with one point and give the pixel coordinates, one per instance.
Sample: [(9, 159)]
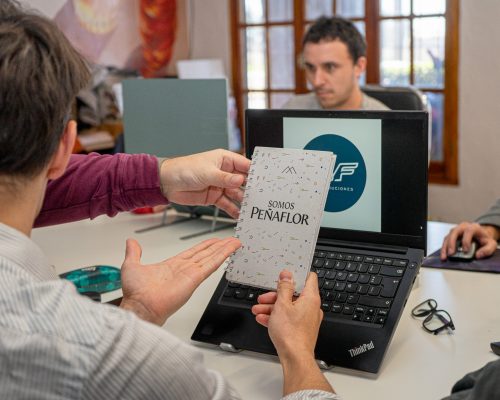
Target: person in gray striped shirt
[(56, 344)]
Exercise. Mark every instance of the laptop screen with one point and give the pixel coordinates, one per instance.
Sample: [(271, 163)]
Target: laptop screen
[(379, 187)]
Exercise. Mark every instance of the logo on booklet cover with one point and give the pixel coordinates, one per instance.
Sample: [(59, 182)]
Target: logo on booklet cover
[(349, 176)]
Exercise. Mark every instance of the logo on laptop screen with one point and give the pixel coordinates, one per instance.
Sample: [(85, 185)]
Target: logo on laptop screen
[(349, 174)]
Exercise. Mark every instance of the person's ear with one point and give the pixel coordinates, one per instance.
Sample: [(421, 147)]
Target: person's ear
[(360, 66), (60, 160)]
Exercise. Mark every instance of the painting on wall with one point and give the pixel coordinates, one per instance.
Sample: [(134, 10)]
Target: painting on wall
[(143, 35)]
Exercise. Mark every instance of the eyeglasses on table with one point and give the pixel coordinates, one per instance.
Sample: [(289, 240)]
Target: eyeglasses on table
[(435, 320)]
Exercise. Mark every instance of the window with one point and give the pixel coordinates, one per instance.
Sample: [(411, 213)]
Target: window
[(409, 42)]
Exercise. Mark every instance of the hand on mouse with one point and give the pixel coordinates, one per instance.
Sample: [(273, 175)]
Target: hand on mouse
[(486, 236), (156, 291)]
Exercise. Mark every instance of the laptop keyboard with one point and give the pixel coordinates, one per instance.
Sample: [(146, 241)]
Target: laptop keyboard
[(355, 287)]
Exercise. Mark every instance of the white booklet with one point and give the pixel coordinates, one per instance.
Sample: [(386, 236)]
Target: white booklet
[(280, 215)]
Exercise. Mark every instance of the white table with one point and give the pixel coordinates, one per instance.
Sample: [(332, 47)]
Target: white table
[(418, 365)]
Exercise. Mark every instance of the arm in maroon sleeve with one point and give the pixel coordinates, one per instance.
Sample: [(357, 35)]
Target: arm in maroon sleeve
[(101, 184)]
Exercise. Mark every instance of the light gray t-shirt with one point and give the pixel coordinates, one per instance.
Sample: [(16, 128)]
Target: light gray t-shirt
[(309, 101), (492, 216)]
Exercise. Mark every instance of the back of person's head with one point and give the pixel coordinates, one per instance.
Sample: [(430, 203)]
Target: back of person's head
[(40, 75), (329, 29)]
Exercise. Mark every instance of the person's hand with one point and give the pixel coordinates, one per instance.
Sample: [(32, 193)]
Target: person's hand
[(210, 178), (293, 326), (156, 291), (485, 235)]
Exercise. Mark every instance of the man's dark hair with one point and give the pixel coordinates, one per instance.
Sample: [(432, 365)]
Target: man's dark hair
[(40, 75), (335, 28)]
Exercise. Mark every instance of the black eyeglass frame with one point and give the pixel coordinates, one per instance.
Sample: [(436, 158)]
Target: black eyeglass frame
[(429, 313)]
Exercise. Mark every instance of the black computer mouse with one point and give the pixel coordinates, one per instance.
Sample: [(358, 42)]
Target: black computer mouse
[(495, 347)]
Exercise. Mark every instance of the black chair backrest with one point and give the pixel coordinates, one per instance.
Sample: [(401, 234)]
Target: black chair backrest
[(397, 98)]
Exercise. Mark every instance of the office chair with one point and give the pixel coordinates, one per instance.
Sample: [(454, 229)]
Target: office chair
[(398, 97), (402, 98)]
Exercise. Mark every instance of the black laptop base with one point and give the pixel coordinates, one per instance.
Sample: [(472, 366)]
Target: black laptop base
[(342, 342)]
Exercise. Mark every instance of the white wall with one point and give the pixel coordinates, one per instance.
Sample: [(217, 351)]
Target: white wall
[(210, 31), (48, 7), (479, 117)]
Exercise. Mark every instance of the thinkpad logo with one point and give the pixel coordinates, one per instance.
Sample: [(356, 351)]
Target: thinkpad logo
[(289, 170), (361, 349)]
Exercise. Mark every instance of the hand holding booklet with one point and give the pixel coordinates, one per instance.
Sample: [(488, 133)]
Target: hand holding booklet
[(280, 215)]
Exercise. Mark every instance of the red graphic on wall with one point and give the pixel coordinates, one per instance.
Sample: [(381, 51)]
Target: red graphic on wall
[(158, 23)]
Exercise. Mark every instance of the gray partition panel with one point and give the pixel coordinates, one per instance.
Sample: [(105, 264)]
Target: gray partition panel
[(174, 117)]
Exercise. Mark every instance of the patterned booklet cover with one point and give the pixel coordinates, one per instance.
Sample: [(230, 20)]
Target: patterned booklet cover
[(280, 215)]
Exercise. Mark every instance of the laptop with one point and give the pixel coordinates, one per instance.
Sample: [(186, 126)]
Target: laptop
[(372, 238)]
